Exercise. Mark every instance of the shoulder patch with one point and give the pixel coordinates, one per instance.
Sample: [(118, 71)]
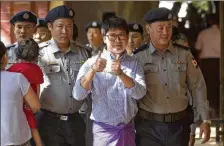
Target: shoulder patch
[(10, 46), (88, 49), (181, 46), (141, 48), (44, 44), (83, 46)]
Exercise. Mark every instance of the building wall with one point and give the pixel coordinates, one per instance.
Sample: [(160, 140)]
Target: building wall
[(8, 9), (85, 12)]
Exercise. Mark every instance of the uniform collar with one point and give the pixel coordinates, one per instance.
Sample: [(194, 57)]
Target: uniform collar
[(54, 47), (169, 48)]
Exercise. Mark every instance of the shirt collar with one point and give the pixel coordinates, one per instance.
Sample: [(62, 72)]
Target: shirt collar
[(110, 56), (54, 47), (169, 48)]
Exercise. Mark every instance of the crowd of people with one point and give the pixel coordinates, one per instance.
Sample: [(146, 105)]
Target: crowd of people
[(114, 91)]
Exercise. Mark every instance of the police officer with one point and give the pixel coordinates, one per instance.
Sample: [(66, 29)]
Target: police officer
[(59, 121), (94, 36), (24, 26), (43, 33), (170, 71), (135, 37)]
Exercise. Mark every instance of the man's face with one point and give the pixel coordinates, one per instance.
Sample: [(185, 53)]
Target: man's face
[(160, 32), (134, 41), (61, 30), (116, 41), (94, 36), (42, 34), (24, 30)]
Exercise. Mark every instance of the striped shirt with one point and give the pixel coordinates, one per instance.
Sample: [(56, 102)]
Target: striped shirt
[(112, 102)]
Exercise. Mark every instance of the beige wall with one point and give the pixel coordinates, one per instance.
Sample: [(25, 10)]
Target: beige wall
[(93, 10)]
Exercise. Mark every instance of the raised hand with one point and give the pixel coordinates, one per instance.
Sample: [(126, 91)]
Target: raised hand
[(100, 63), (116, 66)]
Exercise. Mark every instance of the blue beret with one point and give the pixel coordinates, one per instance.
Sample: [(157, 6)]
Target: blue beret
[(24, 16), (158, 14), (93, 24), (133, 27), (59, 12), (41, 23)]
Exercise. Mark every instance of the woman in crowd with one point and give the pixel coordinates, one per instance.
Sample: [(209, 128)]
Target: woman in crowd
[(15, 88), (27, 56)]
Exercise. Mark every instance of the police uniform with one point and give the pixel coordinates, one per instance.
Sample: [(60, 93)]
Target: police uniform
[(23, 16), (94, 50), (163, 117), (59, 121)]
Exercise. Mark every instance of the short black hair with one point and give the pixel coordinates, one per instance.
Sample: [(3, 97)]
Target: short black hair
[(114, 23), (28, 50), (75, 32), (3, 50)]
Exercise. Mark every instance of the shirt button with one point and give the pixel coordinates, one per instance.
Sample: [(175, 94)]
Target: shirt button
[(162, 57), (167, 97), (51, 70), (178, 67), (69, 83), (166, 84), (164, 70)]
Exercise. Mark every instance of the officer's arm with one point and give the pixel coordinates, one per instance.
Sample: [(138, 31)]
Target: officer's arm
[(197, 87), (80, 90)]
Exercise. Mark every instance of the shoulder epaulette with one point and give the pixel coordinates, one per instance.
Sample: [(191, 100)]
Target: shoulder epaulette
[(44, 44), (88, 49), (141, 48), (10, 46), (181, 46)]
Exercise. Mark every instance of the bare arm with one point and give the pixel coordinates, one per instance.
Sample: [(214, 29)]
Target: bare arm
[(32, 100), (38, 91)]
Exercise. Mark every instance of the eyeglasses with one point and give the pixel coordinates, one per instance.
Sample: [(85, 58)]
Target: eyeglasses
[(113, 37)]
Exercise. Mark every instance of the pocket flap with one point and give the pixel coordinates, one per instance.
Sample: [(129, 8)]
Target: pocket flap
[(51, 69), (151, 68)]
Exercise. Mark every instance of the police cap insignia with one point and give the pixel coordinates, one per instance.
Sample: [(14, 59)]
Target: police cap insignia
[(26, 16), (135, 26)]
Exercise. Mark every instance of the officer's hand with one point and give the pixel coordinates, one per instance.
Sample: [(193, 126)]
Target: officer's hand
[(205, 128), (192, 140), (116, 66), (100, 63)]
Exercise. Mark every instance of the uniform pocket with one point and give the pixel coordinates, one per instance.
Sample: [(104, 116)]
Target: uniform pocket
[(151, 73), (53, 74)]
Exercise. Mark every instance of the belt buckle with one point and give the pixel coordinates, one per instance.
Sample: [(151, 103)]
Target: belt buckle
[(64, 118), (168, 118)]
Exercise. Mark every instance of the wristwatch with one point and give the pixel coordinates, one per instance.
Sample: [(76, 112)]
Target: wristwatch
[(207, 121)]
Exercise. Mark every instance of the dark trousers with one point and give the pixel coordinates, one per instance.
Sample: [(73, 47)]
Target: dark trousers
[(56, 132), (153, 133), (210, 70)]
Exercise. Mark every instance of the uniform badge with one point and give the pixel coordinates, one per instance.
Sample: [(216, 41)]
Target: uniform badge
[(169, 16), (194, 62), (71, 13), (135, 26), (94, 24), (26, 16)]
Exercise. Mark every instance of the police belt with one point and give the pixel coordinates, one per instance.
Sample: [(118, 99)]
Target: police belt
[(63, 117), (165, 118)]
